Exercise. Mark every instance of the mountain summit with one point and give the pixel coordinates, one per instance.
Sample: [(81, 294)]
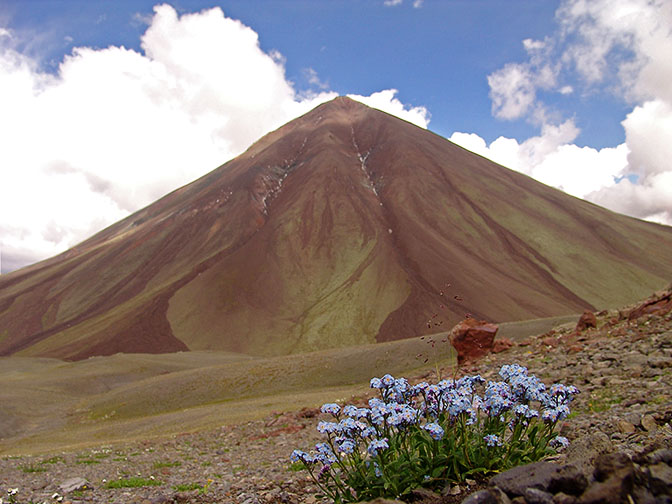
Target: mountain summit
[(345, 226)]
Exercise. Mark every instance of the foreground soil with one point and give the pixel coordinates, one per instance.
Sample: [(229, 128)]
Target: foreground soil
[(623, 369)]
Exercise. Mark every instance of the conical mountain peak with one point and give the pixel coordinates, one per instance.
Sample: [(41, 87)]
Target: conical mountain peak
[(342, 227)]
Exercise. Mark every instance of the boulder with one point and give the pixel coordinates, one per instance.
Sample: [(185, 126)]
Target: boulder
[(472, 339), (588, 319)]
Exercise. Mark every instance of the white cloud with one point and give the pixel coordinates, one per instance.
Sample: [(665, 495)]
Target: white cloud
[(512, 91), (313, 79), (552, 159), (116, 129), (648, 133), (385, 101), (620, 47)]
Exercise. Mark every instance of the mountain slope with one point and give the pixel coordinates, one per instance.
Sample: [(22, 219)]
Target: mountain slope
[(339, 228)]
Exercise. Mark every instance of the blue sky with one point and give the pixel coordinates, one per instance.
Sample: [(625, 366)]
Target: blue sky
[(110, 104)]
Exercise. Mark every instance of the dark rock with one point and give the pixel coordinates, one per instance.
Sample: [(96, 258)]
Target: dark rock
[(613, 490), (660, 476), (481, 497), (536, 496), (424, 493), (568, 479), (583, 451), (642, 495), (515, 481), (563, 498), (607, 465), (660, 455)]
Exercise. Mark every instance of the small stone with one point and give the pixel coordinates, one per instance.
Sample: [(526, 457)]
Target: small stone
[(624, 426), (633, 417), (661, 478), (501, 345), (481, 497), (550, 341), (455, 490), (563, 498), (649, 423), (659, 362), (424, 493), (74, 484), (536, 496), (161, 499)]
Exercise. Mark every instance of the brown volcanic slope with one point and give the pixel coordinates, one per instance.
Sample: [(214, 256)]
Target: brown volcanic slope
[(339, 228)]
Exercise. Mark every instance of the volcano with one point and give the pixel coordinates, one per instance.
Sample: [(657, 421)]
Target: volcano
[(345, 226)]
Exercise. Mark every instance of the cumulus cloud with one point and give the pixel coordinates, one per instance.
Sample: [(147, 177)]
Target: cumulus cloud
[(114, 129), (385, 100), (552, 159), (620, 47)]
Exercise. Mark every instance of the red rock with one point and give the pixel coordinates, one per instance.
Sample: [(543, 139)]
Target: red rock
[(472, 339), (569, 338), (588, 319), (550, 341), (658, 305), (575, 348), (501, 345)]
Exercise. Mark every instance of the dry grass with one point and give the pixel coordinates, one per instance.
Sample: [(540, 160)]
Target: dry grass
[(49, 404)]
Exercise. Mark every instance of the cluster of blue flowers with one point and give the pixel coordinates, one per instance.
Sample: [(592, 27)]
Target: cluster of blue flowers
[(495, 413)]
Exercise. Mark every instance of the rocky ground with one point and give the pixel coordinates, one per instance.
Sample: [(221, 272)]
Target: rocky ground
[(623, 368)]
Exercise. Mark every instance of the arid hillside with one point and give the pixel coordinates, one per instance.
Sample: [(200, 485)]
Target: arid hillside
[(343, 227)]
